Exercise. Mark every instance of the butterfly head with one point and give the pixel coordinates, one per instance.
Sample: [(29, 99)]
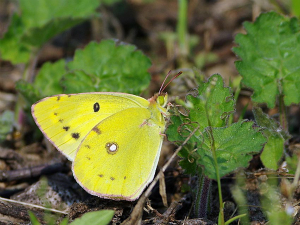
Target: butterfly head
[(159, 101), (162, 99)]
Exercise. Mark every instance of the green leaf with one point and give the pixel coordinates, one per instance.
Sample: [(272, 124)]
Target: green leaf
[(102, 217), (52, 18), (234, 147), (50, 76), (65, 221), (211, 105), (188, 162), (10, 47), (273, 149), (49, 10), (28, 91), (37, 36), (269, 55), (78, 81), (33, 218), (6, 124), (35, 27), (109, 67), (91, 73), (292, 163), (110, 2), (296, 7)]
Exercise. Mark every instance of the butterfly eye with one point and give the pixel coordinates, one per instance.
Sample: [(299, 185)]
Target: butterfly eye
[(112, 147), (162, 100)]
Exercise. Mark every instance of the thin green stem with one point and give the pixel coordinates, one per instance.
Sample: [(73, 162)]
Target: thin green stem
[(213, 149), (297, 174), (182, 26), (282, 114), (27, 76)]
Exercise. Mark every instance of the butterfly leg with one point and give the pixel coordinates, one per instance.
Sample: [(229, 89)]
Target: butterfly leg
[(146, 122), (162, 134)]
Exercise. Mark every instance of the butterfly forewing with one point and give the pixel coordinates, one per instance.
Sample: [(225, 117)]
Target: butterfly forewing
[(66, 119), (118, 158)]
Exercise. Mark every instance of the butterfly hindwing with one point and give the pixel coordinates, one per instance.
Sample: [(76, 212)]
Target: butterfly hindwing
[(66, 119), (118, 158)]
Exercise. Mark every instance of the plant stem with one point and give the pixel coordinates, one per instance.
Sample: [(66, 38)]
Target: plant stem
[(213, 149), (27, 76), (297, 174), (182, 26), (282, 114)]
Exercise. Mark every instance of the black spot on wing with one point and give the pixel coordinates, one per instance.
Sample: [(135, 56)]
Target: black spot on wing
[(87, 146), (88, 158), (112, 178), (58, 98), (100, 175), (75, 135), (61, 120), (96, 107), (55, 114), (66, 128)]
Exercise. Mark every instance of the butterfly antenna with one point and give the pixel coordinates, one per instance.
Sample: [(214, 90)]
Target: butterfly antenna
[(177, 75), (162, 85)]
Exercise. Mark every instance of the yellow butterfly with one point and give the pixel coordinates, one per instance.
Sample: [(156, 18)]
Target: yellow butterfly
[(114, 139)]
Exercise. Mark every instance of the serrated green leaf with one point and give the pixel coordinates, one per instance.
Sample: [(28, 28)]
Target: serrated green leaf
[(234, 147), (90, 77), (189, 162), (173, 131), (102, 217), (28, 91), (111, 67), (50, 76), (269, 55), (213, 104), (273, 149), (78, 82), (10, 47), (6, 124)]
